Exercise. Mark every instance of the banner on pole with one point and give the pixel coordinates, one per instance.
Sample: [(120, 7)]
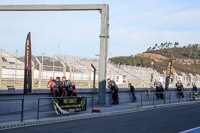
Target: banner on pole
[(70, 104), (168, 73), (27, 66)]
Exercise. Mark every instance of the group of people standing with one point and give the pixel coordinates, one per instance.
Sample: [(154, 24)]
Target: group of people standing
[(62, 88), (114, 90), (67, 88), (160, 89)]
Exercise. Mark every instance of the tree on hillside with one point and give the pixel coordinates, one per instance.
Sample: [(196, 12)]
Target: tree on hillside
[(161, 45), (176, 44), (196, 55), (156, 45), (189, 46), (149, 49), (190, 52)]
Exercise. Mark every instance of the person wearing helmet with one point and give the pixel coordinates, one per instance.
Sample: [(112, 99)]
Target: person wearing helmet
[(159, 89), (180, 89), (114, 89), (67, 87)]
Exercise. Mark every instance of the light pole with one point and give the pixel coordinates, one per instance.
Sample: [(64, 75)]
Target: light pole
[(42, 62)]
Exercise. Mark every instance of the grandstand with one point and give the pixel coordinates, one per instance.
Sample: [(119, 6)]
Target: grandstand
[(79, 70)]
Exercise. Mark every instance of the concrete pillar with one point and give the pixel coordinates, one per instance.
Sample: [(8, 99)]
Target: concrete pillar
[(184, 79), (40, 71), (64, 67), (114, 75), (198, 79), (126, 79), (1, 64), (191, 78), (104, 35), (175, 78), (70, 72)]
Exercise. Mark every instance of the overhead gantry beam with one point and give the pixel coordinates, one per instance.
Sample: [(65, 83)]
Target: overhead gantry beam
[(104, 35)]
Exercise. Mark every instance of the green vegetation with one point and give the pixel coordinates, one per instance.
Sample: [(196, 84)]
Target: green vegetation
[(185, 59), (130, 60)]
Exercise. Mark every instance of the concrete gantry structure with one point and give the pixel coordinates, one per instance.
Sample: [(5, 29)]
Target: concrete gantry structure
[(104, 34)]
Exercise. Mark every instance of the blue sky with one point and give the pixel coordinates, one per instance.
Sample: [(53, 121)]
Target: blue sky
[(135, 25)]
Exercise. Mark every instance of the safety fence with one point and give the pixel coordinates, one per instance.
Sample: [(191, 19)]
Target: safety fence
[(21, 112), (154, 99), (18, 111)]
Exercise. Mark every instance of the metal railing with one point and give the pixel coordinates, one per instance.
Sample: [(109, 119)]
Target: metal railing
[(17, 112), (166, 97)]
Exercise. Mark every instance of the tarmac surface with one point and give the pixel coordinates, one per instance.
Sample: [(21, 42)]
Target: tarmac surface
[(162, 120)]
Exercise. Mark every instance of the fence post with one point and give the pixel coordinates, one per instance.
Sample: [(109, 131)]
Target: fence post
[(141, 100), (178, 96), (153, 99), (94, 76), (22, 111), (164, 97), (38, 109), (92, 104)]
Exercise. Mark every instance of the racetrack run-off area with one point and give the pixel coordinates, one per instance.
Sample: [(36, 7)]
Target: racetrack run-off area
[(162, 120)]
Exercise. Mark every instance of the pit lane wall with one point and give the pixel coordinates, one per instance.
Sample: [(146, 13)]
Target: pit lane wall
[(31, 100)]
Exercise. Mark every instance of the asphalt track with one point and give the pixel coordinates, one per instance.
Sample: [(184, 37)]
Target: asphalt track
[(162, 120)]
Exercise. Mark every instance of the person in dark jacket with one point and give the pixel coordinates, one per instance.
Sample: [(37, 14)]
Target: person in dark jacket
[(159, 89), (67, 87), (180, 89), (132, 90), (112, 85), (74, 89), (58, 85)]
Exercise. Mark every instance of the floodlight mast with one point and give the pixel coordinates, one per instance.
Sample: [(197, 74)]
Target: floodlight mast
[(104, 35)]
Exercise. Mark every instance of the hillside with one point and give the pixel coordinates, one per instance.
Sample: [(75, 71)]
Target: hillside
[(185, 59)]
